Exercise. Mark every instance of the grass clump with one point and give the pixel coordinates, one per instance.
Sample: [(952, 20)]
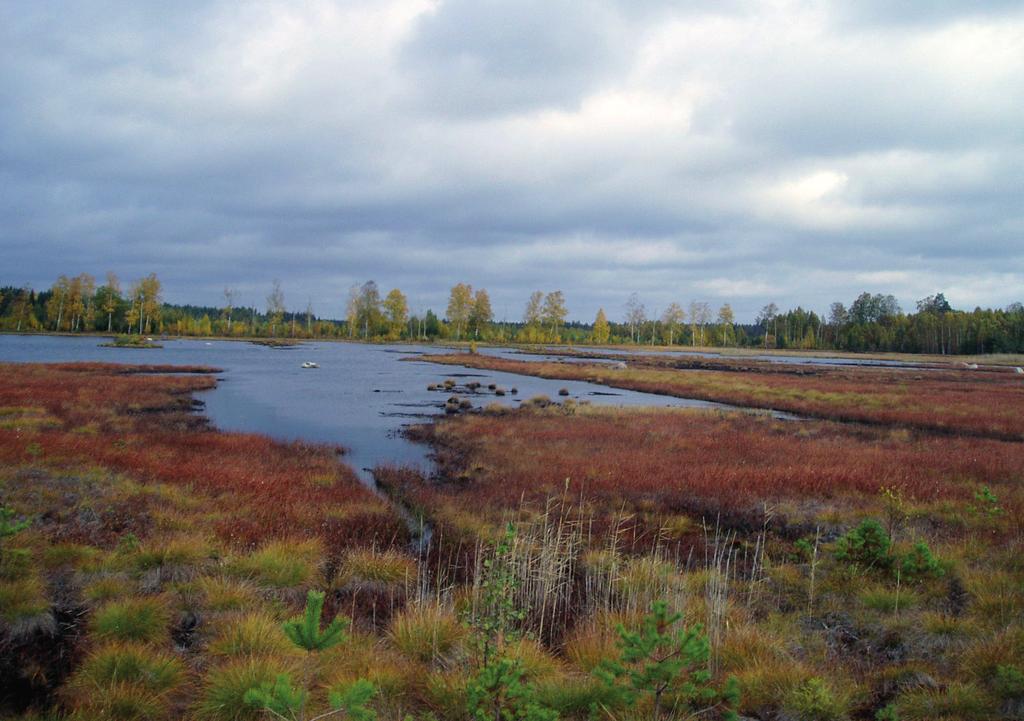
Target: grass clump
[(131, 663), (957, 702), (144, 620), (22, 599), (426, 633), (888, 600), (372, 567), (282, 564), (122, 702), (107, 588), (223, 695), (255, 634), (69, 554), (592, 644), (226, 594), (177, 552)]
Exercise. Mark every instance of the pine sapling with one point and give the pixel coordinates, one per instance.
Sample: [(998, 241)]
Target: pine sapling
[(660, 661), (304, 631), (283, 701)]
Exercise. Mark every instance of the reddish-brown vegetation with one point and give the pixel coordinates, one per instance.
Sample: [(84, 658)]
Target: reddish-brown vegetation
[(968, 403), (256, 488), (659, 464)]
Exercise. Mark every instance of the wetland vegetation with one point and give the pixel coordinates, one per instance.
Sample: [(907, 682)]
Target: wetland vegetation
[(856, 559)]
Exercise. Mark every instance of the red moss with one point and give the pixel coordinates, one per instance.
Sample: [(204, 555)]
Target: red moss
[(662, 463), (966, 403), (257, 488)]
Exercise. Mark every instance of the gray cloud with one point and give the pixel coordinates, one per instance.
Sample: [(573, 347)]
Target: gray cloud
[(740, 152)]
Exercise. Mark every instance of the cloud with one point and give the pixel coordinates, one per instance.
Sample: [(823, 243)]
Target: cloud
[(743, 151)]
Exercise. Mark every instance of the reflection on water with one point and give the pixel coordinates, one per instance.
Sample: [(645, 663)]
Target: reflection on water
[(360, 397)]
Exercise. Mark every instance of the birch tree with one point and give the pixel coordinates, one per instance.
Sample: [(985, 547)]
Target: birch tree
[(460, 305), (481, 313), (275, 306), (726, 319), (636, 316), (396, 311), (601, 330), (673, 317), (111, 297), (554, 311)]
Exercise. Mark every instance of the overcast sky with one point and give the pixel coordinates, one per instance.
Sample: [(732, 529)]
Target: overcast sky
[(742, 152)]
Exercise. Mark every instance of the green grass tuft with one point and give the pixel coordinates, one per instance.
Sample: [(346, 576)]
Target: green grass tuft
[(129, 663), (255, 634), (223, 696), (135, 619), (282, 564), (22, 599), (426, 633)]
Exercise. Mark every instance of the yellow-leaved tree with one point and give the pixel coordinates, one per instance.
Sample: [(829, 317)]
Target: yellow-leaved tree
[(601, 331)]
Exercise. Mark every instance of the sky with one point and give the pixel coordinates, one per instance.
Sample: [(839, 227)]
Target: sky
[(729, 151)]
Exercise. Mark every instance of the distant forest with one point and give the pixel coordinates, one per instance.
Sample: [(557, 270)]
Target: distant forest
[(869, 323)]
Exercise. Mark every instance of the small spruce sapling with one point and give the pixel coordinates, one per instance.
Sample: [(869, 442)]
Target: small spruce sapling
[(986, 504), (283, 701), (661, 661)]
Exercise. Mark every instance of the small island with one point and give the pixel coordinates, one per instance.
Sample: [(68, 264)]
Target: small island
[(131, 341)]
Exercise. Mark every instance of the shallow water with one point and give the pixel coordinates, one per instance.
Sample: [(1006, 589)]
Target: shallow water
[(360, 397)]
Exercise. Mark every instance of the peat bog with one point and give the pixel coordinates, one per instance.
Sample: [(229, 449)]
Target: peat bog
[(862, 563)]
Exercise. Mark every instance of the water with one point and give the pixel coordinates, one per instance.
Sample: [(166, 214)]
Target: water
[(360, 397)]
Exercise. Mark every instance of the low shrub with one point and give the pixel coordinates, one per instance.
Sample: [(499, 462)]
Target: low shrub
[(920, 563), (445, 693), (866, 546), (815, 700), (1008, 683)]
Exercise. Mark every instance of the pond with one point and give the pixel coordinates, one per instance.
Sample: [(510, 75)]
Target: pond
[(360, 397)]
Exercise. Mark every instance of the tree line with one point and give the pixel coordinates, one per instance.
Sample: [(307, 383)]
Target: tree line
[(78, 304)]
